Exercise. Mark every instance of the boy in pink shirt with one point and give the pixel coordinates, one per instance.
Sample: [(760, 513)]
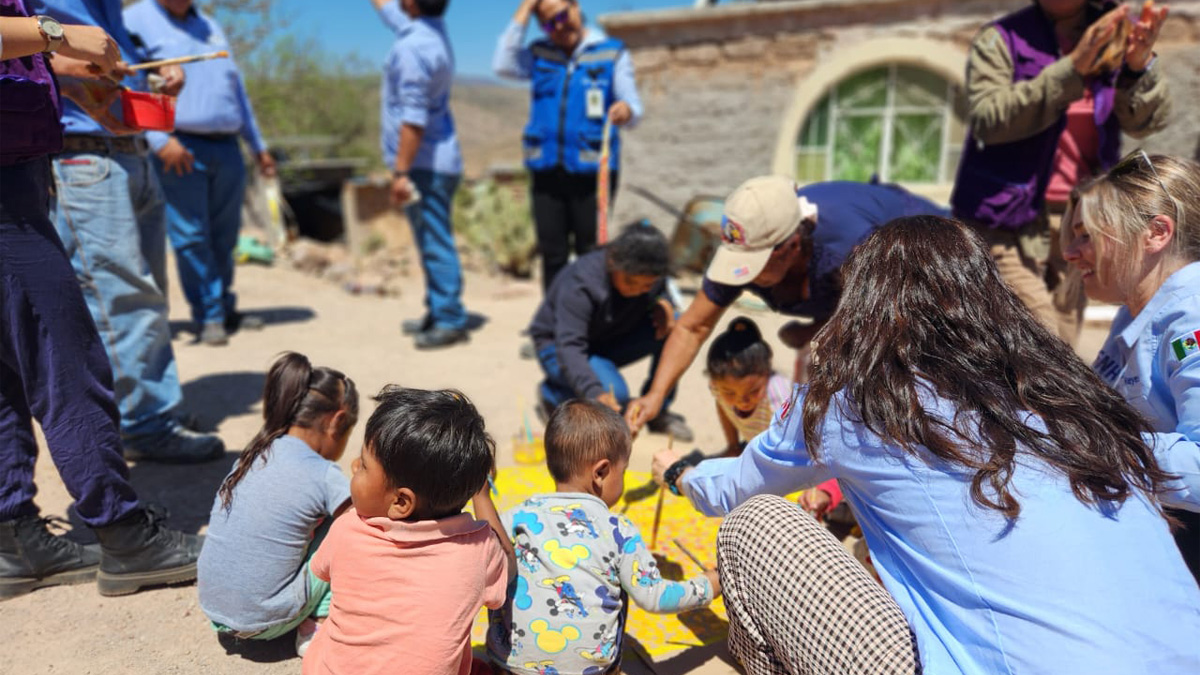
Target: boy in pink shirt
[(408, 570)]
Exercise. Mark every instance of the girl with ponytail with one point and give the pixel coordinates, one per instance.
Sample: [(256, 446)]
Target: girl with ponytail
[(276, 505)]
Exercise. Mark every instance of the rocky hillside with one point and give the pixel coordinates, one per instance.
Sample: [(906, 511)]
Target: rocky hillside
[(490, 117)]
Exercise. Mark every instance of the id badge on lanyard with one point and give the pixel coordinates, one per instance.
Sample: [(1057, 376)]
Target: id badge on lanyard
[(595, 103)]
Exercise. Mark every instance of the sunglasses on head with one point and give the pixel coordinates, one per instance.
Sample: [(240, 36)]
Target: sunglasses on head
[(1129, 163), (557, 21)]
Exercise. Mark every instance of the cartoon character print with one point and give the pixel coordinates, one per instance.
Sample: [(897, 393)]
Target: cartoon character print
[(568, 601), (646, 575), (605, 650), (566, 557), (551, 641), (524, 520), (578, 524), (527, 553), (542, 667), (608, 602), (625, 544), (609, 571)]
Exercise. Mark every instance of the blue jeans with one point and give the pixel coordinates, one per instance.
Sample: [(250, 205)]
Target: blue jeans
[(109, 215), (606, 360), (204, 214), (434, 234), (52, 365)]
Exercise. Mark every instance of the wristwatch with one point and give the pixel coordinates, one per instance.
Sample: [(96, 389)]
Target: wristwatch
[(52, 30), (671, 475)]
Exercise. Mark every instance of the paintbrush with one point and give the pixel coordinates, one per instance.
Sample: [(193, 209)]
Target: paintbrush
[(661, 493), (180, 60), (681, 547)]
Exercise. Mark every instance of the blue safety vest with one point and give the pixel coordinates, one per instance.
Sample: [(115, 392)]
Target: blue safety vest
[(560, 132)]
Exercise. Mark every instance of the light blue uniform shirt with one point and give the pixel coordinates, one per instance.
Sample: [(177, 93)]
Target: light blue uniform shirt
[(1066, 588), (107, 15), (417, 78), (514, 60), (214, 100), (1140, 362)]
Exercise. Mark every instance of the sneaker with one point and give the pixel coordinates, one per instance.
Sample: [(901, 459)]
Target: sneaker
[(236, 321), (305, 633), (416, 326), (178, 445), (214, 335), (435, 338), (31, 557), (139, 551), (673, 424)]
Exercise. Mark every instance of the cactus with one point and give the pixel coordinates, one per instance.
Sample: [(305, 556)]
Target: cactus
[(493, 219)]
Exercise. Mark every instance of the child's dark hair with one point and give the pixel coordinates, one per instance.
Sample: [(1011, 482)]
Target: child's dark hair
[(640, 250), (582, 432), (295, 394), (739, 351), (432, 8), (433, 443)]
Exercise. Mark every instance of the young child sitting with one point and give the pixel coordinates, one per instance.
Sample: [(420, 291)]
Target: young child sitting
[(577, 561), (277, 504), (408, 569), (607, 309)]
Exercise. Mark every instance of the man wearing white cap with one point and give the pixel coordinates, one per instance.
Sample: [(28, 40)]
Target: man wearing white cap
[(786, 245)]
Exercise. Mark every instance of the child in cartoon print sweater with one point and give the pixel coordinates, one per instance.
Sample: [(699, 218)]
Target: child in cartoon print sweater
[(576, 560)]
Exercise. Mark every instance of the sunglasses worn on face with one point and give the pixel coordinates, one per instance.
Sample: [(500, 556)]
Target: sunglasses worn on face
[(557, 21)]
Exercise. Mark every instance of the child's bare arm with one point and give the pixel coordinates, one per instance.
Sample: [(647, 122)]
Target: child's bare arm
[(486, 510), (732, 447)]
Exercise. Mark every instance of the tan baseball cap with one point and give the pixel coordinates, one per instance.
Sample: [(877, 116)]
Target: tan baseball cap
[(759, 215)]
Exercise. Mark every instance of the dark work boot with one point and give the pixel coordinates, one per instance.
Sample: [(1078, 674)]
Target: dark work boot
[(31, 558), (138, 551)]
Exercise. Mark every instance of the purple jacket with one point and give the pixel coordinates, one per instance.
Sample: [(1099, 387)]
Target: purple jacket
[(29, 104), (1004, 185)]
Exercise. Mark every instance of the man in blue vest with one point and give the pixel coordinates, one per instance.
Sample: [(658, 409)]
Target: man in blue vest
[(579, 76)]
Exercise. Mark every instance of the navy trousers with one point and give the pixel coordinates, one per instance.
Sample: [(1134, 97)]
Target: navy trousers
[(52, 364)]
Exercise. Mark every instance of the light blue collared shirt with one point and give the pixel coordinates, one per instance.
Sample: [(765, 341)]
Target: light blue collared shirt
[(1065, 588), (107, 15), (1140, 362), (512, 59), (214, 100), (417, 78)]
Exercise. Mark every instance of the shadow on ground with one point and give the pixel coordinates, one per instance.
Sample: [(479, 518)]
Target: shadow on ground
[(270, 316), (260, 651), (213, 398)]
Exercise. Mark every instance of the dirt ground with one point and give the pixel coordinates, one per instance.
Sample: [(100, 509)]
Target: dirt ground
[(75, 630)]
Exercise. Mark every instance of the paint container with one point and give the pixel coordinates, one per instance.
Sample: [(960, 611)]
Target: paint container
[(150, 112)]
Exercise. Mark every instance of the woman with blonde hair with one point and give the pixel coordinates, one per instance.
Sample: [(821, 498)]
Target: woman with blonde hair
[(1134, 233)]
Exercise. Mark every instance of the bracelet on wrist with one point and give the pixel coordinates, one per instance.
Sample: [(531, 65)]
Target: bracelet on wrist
[(397, 173)]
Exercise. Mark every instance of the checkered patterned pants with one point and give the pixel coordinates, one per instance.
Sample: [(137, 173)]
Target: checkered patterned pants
[(798, 604)]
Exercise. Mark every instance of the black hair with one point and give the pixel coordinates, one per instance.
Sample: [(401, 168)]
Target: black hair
[(295, 394), (640, 250), (432, 8), (739, 351), (433, 443), (929, 310), (582, 432)]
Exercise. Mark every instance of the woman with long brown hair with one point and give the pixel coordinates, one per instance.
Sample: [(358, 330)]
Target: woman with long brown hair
[(1007, 495)]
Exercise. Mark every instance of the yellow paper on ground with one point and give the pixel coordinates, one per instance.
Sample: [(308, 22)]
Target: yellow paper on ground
[(658, 634)]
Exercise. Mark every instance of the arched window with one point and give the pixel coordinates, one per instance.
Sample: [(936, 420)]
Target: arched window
[(899, 122)]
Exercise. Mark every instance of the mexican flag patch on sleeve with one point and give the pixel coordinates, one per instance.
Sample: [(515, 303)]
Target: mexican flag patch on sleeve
[(1186, 346)]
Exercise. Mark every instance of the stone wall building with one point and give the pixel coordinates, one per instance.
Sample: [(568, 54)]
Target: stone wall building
[(827, 89)]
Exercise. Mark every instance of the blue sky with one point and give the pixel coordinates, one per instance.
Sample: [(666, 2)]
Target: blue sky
[(345, 27)]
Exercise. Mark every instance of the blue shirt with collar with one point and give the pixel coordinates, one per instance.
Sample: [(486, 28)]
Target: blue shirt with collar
[(1065, 588), (214, 100), (107, 15), (1139, 361), (514, 60), (417, 79)]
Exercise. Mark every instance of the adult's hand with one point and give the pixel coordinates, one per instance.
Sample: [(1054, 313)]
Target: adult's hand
[(642, 410), (816, 501), (610, 401), (1139, 47), (176, 158), (266, 164), (1086, 55), (173, 79), (91, 92), (401, 191), (620, 113), (661, 462), (524, 11), (92, 44)]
